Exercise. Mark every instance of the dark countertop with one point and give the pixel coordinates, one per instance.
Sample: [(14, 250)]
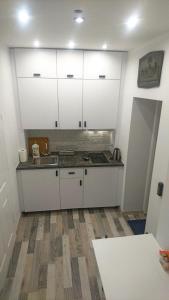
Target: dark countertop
[(72, 161)]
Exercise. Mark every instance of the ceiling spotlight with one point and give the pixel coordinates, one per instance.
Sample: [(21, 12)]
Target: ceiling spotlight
[(104, 47), (79, 20), (23, 16), (36, 43), (71, 44), (132, 22)]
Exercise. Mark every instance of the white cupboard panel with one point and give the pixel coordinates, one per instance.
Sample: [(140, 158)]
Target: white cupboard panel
[(100, 103), (40, 189), (101, 63), (69, 64), (38, 103), (35, 62), (71, 193), (100, 187), (70, 103)]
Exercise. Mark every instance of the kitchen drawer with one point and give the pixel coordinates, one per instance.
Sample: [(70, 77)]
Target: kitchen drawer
[(71, 173)]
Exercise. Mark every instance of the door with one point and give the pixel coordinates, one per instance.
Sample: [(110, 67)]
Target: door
[(70, 103), (102, 64), (38, 103), (40, 189), (100, 103), (69, 64), (71, 188), (100, 187), (35, 63)]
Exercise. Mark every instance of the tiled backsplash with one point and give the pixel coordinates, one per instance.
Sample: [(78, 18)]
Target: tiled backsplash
[(76, 139)]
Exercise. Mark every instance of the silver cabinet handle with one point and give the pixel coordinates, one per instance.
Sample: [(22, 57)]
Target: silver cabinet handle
[(102, 76), (70, 75)]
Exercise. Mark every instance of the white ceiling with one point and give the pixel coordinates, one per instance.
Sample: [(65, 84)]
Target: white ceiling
[(52, 23)]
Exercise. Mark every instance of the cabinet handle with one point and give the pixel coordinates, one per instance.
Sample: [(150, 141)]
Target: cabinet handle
[(85, 171), (102, 76), (56, 173), (80, 124), (56, 123), (36, 74), (80, 182), (85, 124), (71, 173), (70, 75)]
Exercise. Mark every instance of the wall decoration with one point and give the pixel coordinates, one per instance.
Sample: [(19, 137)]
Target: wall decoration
[(150, 67)]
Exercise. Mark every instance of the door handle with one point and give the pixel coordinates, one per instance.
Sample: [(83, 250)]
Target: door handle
[(102, 76), (85, 171), (80, 182), (80, 124), (56, 173), (71, 173), (56, 123), (85, 124)]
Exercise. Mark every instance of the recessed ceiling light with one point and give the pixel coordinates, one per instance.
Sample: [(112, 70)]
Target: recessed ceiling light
[(104, 46), (36, 43), (132, 22), (71, 44), (23, 16), (79, 19)]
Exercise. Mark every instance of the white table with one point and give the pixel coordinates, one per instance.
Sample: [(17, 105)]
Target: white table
[(130, 269)]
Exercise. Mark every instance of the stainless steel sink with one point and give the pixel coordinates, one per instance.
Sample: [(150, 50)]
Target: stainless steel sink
[(51, 160)]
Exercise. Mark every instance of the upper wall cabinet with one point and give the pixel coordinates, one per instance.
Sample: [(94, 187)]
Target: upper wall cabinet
[(69, 64), (100, 103), (102, 65), (35, 63), (38, 103), (70, 103)]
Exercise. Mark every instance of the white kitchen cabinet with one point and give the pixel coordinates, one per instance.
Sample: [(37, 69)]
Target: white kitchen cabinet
[(39, 189), (69, 63), (100, 187), (35, 63), (102, 65), (71, 188), (38, 103), (70, 103), (100, 103)]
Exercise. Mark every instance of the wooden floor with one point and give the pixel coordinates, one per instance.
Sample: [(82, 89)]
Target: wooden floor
[(53, 257)]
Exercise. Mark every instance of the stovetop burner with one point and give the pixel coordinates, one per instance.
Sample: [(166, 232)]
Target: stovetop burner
[(97, 158)]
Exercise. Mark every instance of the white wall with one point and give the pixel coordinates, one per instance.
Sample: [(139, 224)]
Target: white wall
[(162, 150), (9, 143)]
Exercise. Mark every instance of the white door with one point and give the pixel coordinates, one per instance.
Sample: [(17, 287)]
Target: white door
[(102, 65), (100, 187), (70, 103), (69, 64), (100, 103), (35, 63), (40, 189), (38, 103), (71, 188)]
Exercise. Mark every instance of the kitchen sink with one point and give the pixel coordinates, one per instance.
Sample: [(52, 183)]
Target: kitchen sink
[(51, 160)]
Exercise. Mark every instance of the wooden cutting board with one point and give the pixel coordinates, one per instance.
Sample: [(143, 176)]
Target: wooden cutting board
[(43, 143)]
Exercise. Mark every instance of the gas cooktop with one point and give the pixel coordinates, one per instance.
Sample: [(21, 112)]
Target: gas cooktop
[(98, 158)]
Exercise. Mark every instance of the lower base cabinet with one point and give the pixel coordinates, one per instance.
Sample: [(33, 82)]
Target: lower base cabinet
[(71, 188), (100, 187), (39, 189)]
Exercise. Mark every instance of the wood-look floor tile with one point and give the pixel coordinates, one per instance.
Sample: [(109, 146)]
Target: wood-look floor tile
[(53, 256)]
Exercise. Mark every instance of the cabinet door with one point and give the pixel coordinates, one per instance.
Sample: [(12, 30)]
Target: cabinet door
[(69, 64), (100, 103), (100, 187), (35, 63), (70, 103), (38, 103), (71, 188), (100, 64), (40, 189)]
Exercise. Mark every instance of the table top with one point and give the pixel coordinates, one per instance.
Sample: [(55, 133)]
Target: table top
[(130, 269)]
